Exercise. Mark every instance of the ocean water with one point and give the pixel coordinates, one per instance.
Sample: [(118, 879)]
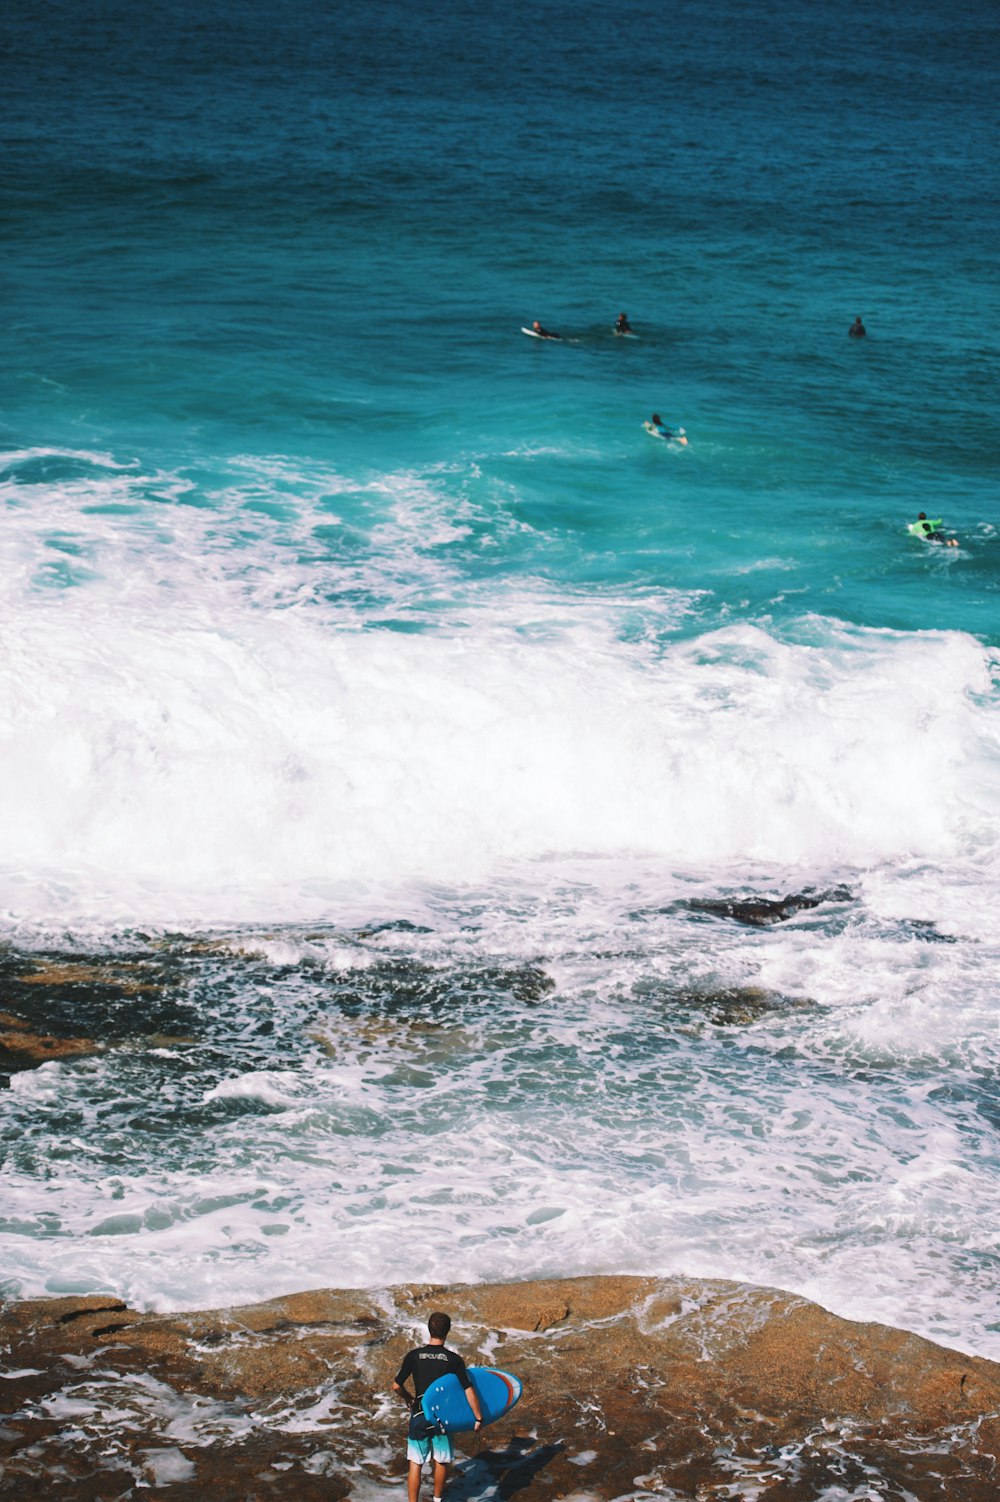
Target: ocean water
[(391, 729)]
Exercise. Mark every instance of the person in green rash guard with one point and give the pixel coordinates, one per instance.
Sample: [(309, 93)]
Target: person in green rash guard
[(930, 531)]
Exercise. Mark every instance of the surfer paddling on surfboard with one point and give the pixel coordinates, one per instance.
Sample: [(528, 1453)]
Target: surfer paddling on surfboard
[(425, 1364), (540, 333), (658, 428), (931, 531)]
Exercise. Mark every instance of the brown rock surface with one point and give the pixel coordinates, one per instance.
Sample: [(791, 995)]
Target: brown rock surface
[(22, 1048), (634, 1387), (58, 1007)]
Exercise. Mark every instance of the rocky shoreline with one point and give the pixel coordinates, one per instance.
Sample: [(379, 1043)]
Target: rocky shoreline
[(634, 1388)]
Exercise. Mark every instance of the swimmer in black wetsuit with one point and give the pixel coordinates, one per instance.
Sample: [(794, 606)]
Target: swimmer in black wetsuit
[(622, 325), (544, 333), (857, 329)]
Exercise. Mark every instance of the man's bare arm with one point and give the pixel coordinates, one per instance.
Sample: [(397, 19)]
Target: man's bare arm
[(473, 1397)]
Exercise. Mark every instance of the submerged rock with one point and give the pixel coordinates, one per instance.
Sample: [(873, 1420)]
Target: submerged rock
[(927, 930), (739, 1006), (21, 1048), (95, 998), (59, 1007), (678, 1388)]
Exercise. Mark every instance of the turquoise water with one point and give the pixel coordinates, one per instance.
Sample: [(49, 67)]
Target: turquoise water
[(379, 643)]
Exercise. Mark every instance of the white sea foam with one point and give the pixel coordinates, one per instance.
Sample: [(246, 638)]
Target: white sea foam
[(190, 735), (167, 761), (275, 1087), (177, 741)]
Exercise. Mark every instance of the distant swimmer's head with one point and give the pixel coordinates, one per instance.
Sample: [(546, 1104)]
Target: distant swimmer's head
[(922, 517), (536, 324), (657, 419)]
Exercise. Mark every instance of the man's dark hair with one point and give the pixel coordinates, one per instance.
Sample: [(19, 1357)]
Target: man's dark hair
[(439, 1325)]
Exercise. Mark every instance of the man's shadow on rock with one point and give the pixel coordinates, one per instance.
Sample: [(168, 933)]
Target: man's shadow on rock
[(501, 1473)]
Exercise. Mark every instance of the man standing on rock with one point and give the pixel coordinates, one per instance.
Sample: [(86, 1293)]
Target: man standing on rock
[(425, 1364)]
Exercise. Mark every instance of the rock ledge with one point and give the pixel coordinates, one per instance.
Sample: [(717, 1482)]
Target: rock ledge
[(634, 1387)]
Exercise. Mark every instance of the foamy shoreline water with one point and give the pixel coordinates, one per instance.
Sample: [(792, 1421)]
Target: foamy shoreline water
[(781, 1105)]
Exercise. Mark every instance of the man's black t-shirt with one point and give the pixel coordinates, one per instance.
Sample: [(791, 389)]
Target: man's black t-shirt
[(426, 1364)]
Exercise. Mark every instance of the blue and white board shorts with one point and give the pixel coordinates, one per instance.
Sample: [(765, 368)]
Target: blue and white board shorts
[(440, 1445)]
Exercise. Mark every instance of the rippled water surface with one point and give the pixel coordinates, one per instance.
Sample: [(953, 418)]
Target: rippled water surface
[(466, 838)]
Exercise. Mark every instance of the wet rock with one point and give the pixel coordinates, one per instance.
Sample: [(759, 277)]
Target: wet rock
[(64, 1007), (926, 930), (72, 997), (725, 1006), (394, 987), (393, 925), (526, 984), (679, 1388), (56, 973), (21, 1048), (739, 1006), (762, 912)]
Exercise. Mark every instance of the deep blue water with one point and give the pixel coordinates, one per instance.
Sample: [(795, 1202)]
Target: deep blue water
[(317, 233), (332, 601)]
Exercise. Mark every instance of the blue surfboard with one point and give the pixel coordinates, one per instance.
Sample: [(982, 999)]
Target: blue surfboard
[(445, 1399)]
